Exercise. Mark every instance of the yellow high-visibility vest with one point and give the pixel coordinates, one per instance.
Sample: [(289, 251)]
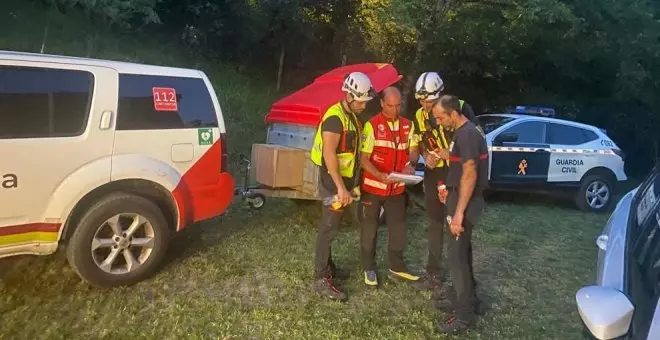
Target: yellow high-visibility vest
[(346, 154)]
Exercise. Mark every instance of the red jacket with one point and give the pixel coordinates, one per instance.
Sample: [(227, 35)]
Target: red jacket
[(390, 154)]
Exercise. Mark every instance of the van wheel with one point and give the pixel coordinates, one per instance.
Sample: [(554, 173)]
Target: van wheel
[(595, 193), (120, 240)]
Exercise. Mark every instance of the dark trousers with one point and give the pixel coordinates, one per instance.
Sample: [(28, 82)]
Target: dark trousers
[(395, 210), (328, 228), (437, 214), (462, 274)]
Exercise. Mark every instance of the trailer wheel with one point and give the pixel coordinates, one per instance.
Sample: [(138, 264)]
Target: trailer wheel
[(256, 201)]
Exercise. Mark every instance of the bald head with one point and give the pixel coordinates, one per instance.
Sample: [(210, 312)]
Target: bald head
[(391, 102), (391, 91)]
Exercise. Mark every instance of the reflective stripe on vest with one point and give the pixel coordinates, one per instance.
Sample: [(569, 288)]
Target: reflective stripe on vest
[(346, 154), (388, 155)]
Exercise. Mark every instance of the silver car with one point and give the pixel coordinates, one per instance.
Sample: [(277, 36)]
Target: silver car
[(623, 303)]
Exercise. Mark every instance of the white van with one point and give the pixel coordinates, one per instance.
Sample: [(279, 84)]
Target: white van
[(109, 158)]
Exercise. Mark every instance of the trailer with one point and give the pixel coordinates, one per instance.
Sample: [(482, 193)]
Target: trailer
[(281, 168)]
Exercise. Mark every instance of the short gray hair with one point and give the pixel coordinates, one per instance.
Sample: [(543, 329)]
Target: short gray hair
[(449, 103)]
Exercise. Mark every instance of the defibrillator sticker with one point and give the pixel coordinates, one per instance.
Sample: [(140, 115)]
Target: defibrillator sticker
[(205, 136), (165, 99)]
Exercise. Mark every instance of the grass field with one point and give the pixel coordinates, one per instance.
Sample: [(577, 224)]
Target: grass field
[(247, 275)]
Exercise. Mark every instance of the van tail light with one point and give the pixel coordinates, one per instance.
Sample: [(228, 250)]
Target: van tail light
[(619, 153), (224, 159)]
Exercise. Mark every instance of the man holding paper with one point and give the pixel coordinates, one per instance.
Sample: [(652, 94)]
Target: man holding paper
[(384, 151), (431, 140)]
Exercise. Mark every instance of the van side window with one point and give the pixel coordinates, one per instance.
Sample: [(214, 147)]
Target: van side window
[(148, 102), (44, 102)]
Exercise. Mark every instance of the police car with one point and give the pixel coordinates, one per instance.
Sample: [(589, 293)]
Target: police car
[(532, 151)]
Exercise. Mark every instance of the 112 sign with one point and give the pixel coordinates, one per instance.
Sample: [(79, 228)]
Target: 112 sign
[(165, 99)]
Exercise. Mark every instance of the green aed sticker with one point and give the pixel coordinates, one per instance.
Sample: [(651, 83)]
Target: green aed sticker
[(205, 136)]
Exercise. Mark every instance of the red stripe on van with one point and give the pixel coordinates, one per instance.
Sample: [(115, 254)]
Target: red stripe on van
[(28, 228), (204, 191)]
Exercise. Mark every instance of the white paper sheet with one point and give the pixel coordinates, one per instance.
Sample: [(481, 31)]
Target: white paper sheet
[(407, 179)]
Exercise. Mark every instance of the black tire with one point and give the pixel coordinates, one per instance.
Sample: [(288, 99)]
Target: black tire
[(581, 195), (79, 253), (256, 201)]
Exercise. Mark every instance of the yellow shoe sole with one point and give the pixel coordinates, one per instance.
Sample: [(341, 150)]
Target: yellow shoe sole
[(369, 282), (403, 276)]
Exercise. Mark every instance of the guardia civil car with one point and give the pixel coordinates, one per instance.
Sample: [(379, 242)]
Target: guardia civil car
[(532, 151)]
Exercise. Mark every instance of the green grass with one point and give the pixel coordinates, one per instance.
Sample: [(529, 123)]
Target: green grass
[(247, 275)]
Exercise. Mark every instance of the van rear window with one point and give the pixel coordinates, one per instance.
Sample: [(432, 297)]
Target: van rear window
[(148, 102)]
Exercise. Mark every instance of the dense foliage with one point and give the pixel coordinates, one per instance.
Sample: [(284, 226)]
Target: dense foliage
[(593, 60)]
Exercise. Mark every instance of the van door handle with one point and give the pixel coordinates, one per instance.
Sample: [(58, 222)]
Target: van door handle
[(106, 120)]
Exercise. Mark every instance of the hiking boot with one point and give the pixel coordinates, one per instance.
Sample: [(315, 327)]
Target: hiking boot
[(443, 293), (428, 282), (326, 288), (453, 325), (370, 278), (447, 306), (403, 276), (339, 273)]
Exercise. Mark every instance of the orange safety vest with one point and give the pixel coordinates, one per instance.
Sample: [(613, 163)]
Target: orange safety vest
[(390, 155)]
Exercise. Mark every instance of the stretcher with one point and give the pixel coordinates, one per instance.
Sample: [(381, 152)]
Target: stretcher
[(292, 122)]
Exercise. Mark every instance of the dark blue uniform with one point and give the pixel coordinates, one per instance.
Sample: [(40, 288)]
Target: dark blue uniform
[(468, 143)]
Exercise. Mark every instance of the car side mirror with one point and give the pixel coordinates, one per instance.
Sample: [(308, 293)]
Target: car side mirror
[(605, 311), (506, 138)]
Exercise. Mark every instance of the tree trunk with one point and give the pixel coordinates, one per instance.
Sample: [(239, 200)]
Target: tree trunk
[(412, 73), (441, 7), (280, 68)]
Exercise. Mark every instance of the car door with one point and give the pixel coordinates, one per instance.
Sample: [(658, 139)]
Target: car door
[(568, 161), (642, 270), (520, 156), (50, 117)]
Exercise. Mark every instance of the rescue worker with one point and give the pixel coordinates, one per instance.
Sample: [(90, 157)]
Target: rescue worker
[(385, 150), (466, 180), (335, 150), (432, 141)]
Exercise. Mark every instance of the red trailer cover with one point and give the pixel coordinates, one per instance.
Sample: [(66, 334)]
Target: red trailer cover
[(307, 106)]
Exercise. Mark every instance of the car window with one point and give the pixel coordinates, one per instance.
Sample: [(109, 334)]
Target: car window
[(491, 123), (528, 132), (43, 102), (648, 198), (149, 102), (569, 135)]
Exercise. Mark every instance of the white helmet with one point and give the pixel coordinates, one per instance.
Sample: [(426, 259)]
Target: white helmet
[(359, 85), (429, 85)]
